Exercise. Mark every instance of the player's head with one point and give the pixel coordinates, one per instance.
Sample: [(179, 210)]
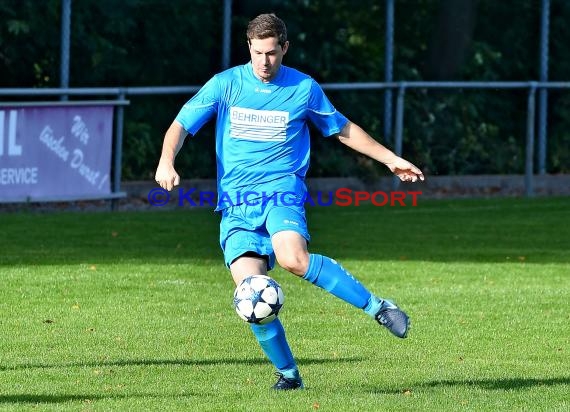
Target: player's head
[(267, 41), (265, 26)]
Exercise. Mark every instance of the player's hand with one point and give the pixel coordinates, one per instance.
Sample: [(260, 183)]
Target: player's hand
[(166, 175), (406, 171)]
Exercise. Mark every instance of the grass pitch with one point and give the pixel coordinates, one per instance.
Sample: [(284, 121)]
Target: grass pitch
[(132, 311)]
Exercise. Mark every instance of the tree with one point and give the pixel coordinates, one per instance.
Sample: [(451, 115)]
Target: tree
[(156, 43), (451, 39)]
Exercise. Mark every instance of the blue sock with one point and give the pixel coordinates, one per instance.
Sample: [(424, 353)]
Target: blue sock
[(373, 306), (332, 277), (271, 338)]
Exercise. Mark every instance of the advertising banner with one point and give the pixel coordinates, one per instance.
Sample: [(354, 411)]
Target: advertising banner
[(55, 152)]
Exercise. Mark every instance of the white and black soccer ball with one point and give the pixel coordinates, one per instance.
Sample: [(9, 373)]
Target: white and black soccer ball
[(258, 299)]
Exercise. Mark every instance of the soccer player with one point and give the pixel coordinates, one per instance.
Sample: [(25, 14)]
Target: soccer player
[(262, 110)]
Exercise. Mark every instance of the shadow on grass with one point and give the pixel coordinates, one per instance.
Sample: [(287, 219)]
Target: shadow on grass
[(38, 399), (175, 362), (85, 398), (487, 384), (501, 384)]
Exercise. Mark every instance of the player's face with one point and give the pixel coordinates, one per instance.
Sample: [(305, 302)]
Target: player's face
[(266, 57)]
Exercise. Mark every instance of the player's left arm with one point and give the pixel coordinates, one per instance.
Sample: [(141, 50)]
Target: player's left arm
[(357, 139)]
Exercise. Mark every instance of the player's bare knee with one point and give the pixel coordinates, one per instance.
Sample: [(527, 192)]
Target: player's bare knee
[(294, 263)]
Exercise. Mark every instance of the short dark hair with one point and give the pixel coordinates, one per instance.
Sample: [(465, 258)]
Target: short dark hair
[(265, 26)]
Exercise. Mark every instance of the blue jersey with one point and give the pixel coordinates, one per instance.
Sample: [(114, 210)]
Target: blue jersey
[(262, 133)]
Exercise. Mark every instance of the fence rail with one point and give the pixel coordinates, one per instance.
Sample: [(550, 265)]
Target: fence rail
[(121, 94)]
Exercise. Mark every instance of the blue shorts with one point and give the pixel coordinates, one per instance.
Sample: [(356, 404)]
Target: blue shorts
[(248, 228)]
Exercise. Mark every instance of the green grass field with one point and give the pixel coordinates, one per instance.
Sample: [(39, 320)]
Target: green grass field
[(132, 311)]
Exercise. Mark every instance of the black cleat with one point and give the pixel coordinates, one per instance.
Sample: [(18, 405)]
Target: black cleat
[(394, 319), (288, 383)]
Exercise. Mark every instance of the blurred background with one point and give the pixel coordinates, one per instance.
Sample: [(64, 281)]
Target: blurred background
[(450, 131)]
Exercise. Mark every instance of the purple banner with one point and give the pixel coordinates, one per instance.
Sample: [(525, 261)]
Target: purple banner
[(55, 152)]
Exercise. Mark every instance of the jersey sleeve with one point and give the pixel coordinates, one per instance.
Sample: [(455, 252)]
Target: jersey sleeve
[(322, 113), (202, 107)]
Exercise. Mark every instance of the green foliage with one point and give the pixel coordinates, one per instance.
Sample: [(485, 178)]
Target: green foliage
[(560, 142), (156, 43), (29, 43), (456, 133)]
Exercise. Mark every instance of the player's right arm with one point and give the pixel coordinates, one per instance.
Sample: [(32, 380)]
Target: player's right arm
[(166, 176), (202, 107)]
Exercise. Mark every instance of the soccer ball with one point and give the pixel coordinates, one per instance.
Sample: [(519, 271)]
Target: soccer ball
[(258, 299)]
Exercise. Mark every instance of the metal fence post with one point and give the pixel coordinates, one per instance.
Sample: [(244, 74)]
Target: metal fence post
[(227, 27), (118, 148), (543, 93), (389, 69), (529, 161), (398, 143), (65, 46)]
